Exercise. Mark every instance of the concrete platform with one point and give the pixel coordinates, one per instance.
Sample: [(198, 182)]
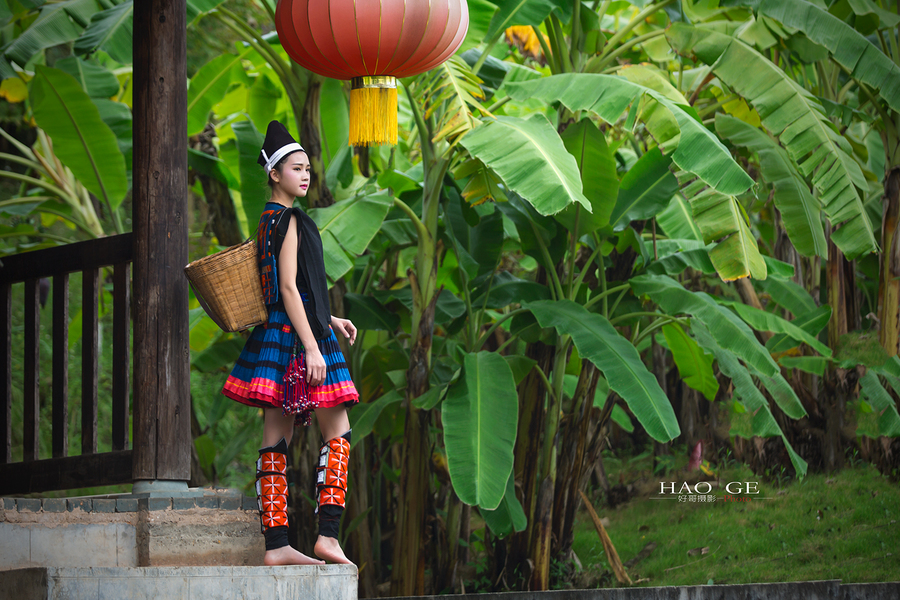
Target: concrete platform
[(331, 582), (208, 528)]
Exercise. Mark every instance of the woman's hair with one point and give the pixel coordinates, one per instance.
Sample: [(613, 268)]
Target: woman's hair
[(278, 167)]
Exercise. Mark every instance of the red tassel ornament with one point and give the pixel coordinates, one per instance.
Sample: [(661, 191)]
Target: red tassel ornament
[(296, 390)]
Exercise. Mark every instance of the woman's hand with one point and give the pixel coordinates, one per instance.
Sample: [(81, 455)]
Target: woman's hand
[(345, 327), (316, 368)]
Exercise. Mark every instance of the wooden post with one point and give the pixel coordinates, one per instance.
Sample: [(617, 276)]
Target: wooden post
[(60, 430), (162, 426), (90, 354), (31, 433), (5, 373)]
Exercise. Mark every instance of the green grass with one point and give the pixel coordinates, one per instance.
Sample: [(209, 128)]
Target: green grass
[(842, 526)]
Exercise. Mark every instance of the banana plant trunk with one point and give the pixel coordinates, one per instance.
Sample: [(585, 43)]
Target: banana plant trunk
[(310, 136), (531, 425), (889, 284), (571, 464), (542, 531), (415, 498), (358, 504), (838, 383)]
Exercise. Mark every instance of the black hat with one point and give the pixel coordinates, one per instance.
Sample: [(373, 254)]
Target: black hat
[(277, 145)]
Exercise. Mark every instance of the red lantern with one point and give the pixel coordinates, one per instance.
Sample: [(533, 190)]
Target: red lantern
[(371, 43)]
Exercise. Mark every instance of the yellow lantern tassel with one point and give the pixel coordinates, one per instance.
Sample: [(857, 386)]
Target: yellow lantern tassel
[(373, 111)]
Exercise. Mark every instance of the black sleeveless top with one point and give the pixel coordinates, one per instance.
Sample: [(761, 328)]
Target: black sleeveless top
[(311, 278)]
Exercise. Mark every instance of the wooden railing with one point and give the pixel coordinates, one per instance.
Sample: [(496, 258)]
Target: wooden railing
[(90, 468)]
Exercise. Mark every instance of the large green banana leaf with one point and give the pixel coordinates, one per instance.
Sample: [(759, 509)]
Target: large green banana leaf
[(530, 225), (599, 181), (882, 403), (698, 151), (659, 121), (334, 115), (349, 226), (95, 80), (478, 246), (783, 394), (789, 295), (812, 323), (524, 12), (454, 88), (694, 365), (254, 190), (509, 516), (262, 100), (364, 414), (808, 364), (797, 118), (646, 189), (367, 313), (764, 424), (479, 415), (81, 140), (58, 23), (728, 330), (869, 7), (531, 159), (110, 30), (765, 321), (480, 14), (506, 289), (118, 117), (800, 210), (721, 217), (678, 222), (675, 263), (891, 371), (598, 341), (208, 86), (849, 47), (198, 7), (448, 306)]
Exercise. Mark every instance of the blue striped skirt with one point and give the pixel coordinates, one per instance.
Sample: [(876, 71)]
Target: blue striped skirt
[(258, 375)]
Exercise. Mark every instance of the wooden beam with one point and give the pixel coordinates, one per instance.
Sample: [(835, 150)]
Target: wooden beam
[(162, 434), (68, 473), (90, 254)]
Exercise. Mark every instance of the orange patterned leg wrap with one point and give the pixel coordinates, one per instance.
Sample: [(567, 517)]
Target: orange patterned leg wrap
[(331, 484), (272, 493), (331, 474)]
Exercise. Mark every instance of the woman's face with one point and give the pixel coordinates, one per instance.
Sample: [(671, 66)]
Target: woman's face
[(294, 176)]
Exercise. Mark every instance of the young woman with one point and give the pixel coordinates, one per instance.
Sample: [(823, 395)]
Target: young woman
[(292, 271)]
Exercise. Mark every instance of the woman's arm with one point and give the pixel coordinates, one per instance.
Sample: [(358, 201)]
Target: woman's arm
[(293, 304)]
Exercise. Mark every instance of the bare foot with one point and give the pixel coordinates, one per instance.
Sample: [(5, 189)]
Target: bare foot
[(328, 549), (288, 556)]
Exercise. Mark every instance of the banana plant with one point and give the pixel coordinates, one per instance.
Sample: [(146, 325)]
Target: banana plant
[(85, 137), (872, 70), (78, 156)]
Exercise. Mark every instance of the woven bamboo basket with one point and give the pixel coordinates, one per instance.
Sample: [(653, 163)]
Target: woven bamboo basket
[(228, 288)]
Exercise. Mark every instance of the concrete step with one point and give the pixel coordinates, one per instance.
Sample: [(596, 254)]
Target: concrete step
[(331, 582)]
